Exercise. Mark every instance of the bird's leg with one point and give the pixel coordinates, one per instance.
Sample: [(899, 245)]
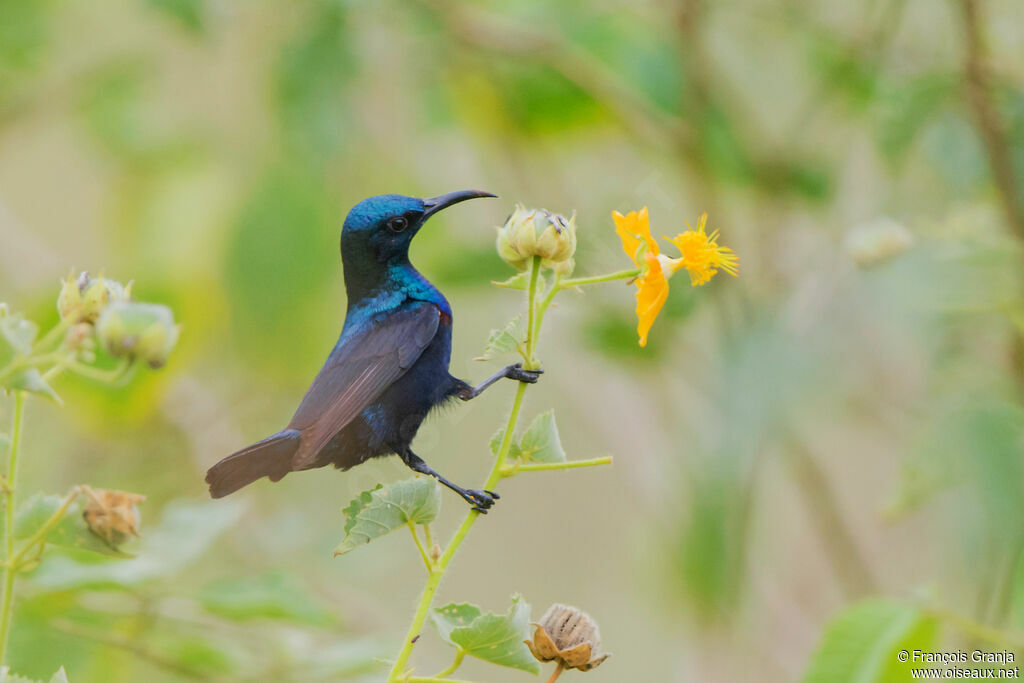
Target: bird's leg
[(480, 500), (514, 371)]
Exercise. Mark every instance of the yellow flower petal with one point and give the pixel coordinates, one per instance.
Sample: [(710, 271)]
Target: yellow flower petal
[(630, 242), (634, 229), (651, 294)]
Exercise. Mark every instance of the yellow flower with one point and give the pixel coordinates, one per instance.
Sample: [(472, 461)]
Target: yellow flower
[(700, 255)]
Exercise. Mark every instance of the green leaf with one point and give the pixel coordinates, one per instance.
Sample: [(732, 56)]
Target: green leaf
[(905, 109), (189, 13), (505, 340), (1017, 593), (540, 443), (495, 444), (281, 266), (452, 616), (955, 150), (205, 657), (708, 553), (16, 336), (31, 381), (536, 97), (184, 533), (112, 107), (7, 677), (312, 73), (386, 508), (491, 637), (272, 596), (521, 281), (846, 70), (70, 532), (861, 644), (336, 659)]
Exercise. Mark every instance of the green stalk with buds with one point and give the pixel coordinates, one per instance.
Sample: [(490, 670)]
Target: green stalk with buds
[(95, 313), (541, 245)]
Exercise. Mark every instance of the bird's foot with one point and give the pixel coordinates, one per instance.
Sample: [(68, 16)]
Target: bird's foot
[(516, 372), (481, 501)]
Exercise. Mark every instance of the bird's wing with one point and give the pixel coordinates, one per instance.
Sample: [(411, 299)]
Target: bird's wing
[(358, 371)]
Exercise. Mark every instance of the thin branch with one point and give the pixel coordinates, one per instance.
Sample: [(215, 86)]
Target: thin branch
[(842, 551), (132, 647), (510, 470), (601, 83), (460, 654), (979, 96), (419, 546)]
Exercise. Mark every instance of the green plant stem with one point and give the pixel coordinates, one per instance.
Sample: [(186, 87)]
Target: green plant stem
[(460, 654), (115, 376), (58, 368), (53, 335), (439, 567), (554, 289), (511, 470), (428, 537), (7, 602), (435, 575), (433, 679), (419, 546), (531, 314), (618, 275), (40, 535), (46, 358), (975, 629)]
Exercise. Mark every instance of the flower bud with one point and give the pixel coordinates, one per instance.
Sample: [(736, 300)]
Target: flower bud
[(138, 331), (112, 515), (872, 243), (538, 232), (84, 298), (79, 337), (568, 636)]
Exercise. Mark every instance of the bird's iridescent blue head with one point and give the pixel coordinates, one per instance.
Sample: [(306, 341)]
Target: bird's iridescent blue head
[(378, 232), (381, 228)]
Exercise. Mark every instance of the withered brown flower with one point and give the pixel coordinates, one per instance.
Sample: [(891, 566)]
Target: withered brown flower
[(112, 515), (567, 635)]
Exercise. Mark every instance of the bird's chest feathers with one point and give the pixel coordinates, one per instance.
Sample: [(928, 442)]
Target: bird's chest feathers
[(404, 284)]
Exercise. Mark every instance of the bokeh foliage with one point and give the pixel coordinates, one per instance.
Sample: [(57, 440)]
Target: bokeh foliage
[(808, 436)]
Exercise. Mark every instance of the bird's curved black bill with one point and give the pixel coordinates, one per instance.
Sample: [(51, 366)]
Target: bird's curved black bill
[(434, 204)]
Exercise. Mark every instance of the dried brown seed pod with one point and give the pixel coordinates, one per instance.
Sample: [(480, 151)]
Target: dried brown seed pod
[(112, 515), (567, 635)]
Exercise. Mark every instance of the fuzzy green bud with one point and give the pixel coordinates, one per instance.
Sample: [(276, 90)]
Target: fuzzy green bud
[(538, 232), (83, 298), (138, 331)]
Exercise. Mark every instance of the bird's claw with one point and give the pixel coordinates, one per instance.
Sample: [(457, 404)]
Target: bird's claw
[(480, 500), (517, 372)]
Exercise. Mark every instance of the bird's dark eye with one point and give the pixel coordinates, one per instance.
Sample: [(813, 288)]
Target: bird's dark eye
[(398, 224)]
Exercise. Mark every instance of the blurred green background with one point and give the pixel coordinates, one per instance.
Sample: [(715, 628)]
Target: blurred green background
[(832, 426)]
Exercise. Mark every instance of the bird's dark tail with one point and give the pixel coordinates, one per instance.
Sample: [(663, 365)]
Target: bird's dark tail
[(271, 458)]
